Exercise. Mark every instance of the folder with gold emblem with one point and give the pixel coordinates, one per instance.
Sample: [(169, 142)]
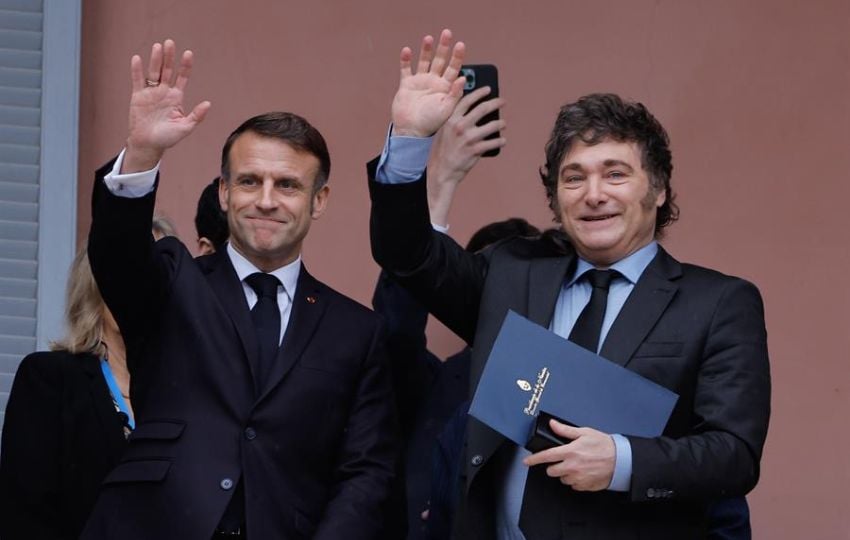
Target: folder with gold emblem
[(531, 369)]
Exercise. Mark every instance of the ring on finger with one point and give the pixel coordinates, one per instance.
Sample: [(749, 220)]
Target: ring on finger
[(151, 82)]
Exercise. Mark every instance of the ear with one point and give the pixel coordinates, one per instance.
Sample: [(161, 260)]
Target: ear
[(320, 201), (205, 246), (661, 198), (223, 195)]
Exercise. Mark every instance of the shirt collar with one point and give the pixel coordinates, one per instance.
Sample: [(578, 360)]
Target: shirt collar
[(631, 267), (288, 275)]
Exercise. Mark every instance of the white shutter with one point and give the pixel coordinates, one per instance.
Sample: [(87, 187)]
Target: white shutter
[(20, 150), (39, 81)]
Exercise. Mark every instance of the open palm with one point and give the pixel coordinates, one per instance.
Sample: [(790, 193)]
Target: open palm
[(157, 120), (425, 100)]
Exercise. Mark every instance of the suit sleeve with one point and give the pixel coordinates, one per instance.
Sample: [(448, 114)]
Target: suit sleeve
[(367, 457), (131, 279), (731, 407), (439, 273), (31, 453)]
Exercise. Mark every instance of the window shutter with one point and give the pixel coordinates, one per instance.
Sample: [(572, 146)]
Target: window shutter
[(20, 150), (39, 101)]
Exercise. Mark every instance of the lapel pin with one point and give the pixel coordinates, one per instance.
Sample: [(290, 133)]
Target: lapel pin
[(311, 299)]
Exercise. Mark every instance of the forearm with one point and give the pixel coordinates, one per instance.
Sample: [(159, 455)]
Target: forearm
[(121, 253), (715, 449), (439, 273)]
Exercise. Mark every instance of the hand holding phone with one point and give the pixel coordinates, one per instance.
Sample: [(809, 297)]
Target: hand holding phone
[(478, 76)]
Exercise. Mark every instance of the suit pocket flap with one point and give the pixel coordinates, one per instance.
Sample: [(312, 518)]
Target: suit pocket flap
[(138, 471), (163, 430), (660, 349)]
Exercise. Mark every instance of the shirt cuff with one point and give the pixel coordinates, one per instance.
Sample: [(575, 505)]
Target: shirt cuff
[(403, 159), (622, 479), (440, 228), (133, 185)]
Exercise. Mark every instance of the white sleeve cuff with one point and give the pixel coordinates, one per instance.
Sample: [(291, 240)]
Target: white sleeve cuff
[(133, 185), (440, 228)]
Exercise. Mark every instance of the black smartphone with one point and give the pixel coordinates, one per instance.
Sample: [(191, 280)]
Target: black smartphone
[(478, 75), (542, 437)]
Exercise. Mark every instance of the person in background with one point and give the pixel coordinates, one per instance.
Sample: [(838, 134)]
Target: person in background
[(67, 420), (162, 227), (431, 391), (210, 221)]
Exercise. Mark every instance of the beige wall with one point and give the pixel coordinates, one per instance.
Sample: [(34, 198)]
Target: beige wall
[(755, 95)]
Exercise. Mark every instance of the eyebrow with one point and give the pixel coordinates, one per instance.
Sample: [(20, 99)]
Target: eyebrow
[(607, 163), (285, 177), (617, 163)]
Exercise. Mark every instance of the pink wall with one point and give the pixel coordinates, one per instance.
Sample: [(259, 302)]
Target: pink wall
[(755, 95)]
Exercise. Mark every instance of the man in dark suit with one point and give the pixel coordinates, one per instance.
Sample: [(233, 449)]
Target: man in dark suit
[(690, 329), (263, 403)]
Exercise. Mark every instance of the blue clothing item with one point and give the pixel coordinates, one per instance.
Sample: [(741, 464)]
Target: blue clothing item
[(407, 160), (117, 397)]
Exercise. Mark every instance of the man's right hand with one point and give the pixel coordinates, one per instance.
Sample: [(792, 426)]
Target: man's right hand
[(157, 121), (458, 146), (425, 99)]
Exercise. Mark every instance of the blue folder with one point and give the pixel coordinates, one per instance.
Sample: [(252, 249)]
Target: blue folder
[(532, 369)]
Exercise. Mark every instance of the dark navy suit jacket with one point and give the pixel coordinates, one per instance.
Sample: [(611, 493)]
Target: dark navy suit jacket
[(314, 448)]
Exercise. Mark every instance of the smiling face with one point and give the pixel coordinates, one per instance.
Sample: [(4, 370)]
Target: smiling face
[(270, 200), (605, 200)]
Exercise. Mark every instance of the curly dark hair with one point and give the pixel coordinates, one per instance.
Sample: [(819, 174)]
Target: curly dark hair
[(596, 117)]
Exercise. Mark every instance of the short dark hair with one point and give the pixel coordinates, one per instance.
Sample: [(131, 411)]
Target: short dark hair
[(500, 230), (210, 220), (596, 117), (290, 129)]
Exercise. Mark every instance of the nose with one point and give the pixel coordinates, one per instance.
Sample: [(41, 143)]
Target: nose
[(266, 199), (595, 194)]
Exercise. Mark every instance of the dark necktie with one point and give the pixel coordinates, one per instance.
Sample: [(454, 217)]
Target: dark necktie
[(589, 324), (266, 317)]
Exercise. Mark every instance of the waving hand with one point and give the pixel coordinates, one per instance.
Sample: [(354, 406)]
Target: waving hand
[(425, 99), (157, 118)]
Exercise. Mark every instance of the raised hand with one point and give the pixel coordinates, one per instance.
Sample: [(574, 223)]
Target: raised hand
[(157, 120), (425, 99), (457, 147)]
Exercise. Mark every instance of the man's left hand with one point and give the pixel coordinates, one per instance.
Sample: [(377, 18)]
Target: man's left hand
[(585, 464)]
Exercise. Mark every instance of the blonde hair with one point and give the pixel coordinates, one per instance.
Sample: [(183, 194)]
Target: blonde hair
[(84, 312), (162, 226)]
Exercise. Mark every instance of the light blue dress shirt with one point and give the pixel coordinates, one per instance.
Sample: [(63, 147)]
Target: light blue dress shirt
[(403, 160)]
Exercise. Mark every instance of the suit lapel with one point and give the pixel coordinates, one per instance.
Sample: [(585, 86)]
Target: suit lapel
[(308, 306), (228, 289), (545, 279), (644, 306)]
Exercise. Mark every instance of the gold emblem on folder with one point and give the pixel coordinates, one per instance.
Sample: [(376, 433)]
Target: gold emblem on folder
[(539, 386)]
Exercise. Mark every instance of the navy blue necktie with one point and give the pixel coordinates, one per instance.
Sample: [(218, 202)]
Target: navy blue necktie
[(589, 324), (266, 318)]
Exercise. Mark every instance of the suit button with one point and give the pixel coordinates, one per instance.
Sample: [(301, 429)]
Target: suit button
[(226, 484), (250, 434), (650, 493), (477, 460)]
